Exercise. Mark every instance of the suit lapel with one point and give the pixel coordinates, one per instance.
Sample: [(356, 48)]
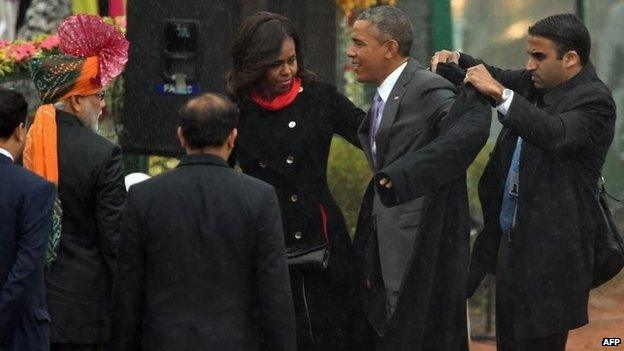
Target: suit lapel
[(363, 136), (390, 110)]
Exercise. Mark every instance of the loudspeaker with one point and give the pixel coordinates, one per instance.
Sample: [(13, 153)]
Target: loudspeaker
[(181, 48), (177, 49)]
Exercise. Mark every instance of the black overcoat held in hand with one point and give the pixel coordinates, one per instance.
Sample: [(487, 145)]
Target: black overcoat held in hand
[(289, 149), (202, 264), (25, 225), (427, 140), (92, 192), (565, 143)]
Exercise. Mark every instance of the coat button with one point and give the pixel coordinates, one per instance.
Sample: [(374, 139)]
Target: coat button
[(262, 164), (298, 235), (294, 198), (292, 124), (290, 160)]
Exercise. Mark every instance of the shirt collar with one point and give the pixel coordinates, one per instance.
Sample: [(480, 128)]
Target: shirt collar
[(386, 86), (6, 153)]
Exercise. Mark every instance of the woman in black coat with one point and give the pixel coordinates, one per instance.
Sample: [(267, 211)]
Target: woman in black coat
[(286, 127)]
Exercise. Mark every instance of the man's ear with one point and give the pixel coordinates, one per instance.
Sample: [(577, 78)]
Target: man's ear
[(181, 138), (392, 48), (571, 58), (20, 133), (76, 103), (231, 140)]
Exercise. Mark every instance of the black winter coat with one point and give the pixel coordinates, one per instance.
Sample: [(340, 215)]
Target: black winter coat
[(92, 192), (289, 149), (565, 143)]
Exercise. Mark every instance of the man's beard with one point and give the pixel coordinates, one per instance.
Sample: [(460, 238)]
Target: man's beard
[(93, 120)]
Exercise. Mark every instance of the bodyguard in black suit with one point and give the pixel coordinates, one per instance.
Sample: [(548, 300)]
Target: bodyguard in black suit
[(539, 189), (202, 263), (25, 225)]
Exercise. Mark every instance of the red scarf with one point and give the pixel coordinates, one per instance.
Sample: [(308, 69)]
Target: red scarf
[(280, 101)]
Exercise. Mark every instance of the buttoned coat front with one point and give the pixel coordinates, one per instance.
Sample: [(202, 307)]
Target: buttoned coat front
[(289, 149)]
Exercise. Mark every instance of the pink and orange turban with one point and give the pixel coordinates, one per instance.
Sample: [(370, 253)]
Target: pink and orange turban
[(94, 53)]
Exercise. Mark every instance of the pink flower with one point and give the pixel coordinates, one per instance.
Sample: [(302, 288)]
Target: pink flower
[(4, 43), (50, 43), (23, 52)]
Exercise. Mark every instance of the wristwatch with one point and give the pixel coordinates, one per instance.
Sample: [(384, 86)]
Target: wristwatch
[(504, 96)]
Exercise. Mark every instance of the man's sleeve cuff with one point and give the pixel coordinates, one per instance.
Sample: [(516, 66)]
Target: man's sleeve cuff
[(504, 107)]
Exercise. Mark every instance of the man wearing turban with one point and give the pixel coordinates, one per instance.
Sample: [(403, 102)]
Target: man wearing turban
[(62, 146)]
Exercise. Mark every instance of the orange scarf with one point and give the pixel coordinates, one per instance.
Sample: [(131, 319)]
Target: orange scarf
[(40, 153)]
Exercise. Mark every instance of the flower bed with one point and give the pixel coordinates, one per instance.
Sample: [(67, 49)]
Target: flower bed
[(16, 55)]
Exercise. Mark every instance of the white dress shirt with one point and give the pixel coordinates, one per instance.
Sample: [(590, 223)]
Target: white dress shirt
[(6, 153)]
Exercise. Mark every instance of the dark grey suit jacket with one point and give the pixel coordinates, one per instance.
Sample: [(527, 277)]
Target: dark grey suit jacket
[(412, 241), (418, 101)]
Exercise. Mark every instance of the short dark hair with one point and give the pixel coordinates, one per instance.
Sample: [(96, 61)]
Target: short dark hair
[(13, 110), (255, 49), (568, 33), (391, 23), (208, 119)]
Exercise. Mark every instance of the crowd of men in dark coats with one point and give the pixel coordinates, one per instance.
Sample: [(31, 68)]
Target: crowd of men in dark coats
[(198, 259)]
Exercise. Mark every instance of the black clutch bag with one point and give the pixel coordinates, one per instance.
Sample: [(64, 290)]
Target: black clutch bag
[(314, 258), (608, 244)]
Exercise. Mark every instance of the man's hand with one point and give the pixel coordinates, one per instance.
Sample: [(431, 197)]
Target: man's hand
[(385, 182), (443, 56), (483, 81)]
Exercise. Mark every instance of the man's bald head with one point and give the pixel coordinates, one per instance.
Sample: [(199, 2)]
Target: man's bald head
[(208, 120)]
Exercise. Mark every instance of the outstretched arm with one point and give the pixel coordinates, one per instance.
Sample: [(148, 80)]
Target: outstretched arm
[(463, 132)]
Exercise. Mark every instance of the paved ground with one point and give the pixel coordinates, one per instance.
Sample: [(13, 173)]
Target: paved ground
[(606, 320)]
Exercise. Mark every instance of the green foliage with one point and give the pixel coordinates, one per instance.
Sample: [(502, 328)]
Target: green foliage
[(472, 178), (159, 164), (348, 175)]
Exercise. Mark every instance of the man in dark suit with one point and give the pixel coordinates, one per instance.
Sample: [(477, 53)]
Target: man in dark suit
[(412, 236), (25, 225), (202, 263), (539, 189), (63, 146)]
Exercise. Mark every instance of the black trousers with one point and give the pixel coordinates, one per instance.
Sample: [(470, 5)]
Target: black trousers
[(505, 296)]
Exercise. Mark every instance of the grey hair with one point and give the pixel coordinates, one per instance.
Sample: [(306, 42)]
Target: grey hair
[(391, 23)]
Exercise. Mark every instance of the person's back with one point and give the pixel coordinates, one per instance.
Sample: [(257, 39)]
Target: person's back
[(25, 225), (92, 195), (202, 263), (64, 148)]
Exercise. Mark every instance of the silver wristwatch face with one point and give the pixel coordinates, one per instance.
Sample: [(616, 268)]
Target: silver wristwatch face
[(505, 95)]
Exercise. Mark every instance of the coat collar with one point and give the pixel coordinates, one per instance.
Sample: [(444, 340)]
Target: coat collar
[(67, 118), (587, 74), (5, 159), (391, 107), (196, 159)]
